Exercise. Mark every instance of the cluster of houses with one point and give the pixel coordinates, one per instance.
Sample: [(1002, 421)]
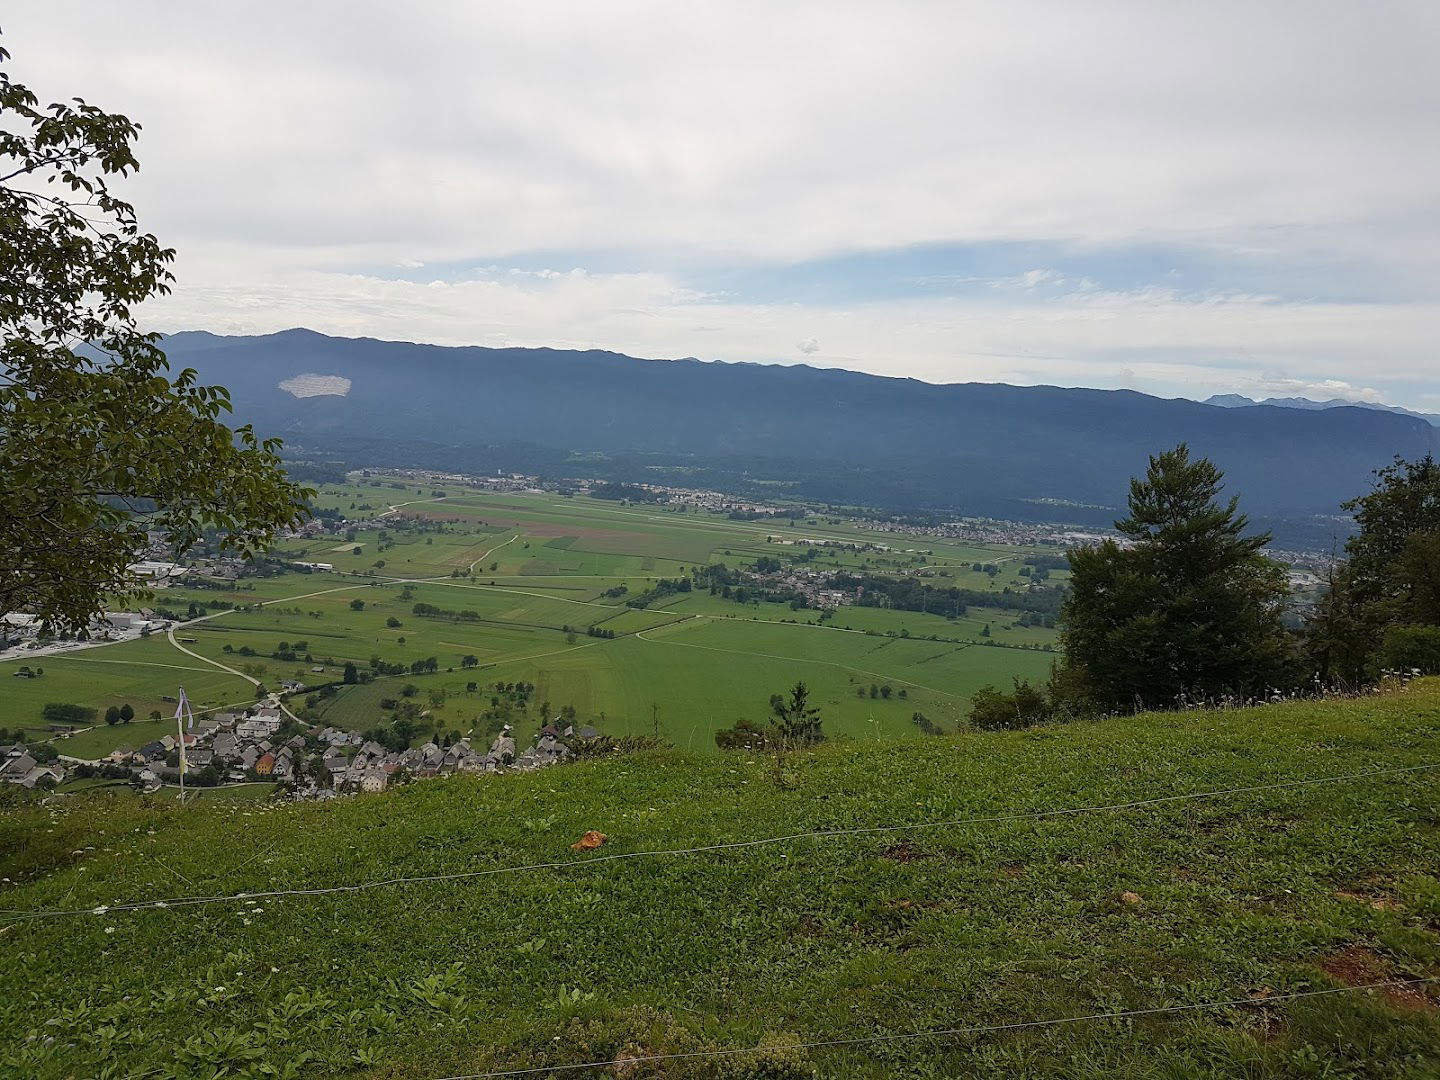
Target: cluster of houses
[(18, 767), (323, 762)]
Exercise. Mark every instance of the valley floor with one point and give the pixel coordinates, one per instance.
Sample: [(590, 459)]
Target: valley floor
[(539, 573)]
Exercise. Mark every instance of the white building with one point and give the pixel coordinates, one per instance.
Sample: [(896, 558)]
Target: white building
[(257, 727), (156, 571)]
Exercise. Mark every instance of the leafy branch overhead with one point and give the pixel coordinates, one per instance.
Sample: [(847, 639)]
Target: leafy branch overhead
[(99, 442)]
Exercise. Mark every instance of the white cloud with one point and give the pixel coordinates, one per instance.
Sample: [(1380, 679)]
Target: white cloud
[(293, 151), (1323, 390), (467, 129), (809, 346)]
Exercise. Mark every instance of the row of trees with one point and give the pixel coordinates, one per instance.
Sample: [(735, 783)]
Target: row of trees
[(1187, 607)]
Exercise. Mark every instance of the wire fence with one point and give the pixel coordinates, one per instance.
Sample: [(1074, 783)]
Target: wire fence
[(12, 916), (956, 1032)]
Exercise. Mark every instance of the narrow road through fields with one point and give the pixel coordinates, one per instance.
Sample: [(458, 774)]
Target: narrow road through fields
[(471, 568), (279, 702), (395, 507), (131, 663)]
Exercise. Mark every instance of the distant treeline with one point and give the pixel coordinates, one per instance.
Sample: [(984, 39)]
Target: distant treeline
[(791, 514), (912, 594), (630, 492)]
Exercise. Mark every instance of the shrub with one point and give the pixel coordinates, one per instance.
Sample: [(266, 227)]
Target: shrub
[(1411, 648), (744, 736), (59, 713), (992, 710)]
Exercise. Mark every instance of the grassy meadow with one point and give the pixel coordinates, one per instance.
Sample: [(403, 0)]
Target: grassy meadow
[(140, 673), (1247, 896), (538, 571)]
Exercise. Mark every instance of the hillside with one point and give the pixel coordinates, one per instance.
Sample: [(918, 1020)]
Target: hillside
[(988, 448), (1249, 896)]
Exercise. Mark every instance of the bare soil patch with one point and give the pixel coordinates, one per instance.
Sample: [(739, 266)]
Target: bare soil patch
[(1378, 903), (902, 852)]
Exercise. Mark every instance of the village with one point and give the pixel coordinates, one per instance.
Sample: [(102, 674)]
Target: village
[(263, 745)]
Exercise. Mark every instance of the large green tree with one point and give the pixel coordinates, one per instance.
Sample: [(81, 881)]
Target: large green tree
[(99, 441), (1403, 506), (1187, 606), (1391, 578)]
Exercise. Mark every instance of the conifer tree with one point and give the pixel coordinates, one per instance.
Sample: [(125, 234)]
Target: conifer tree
[(1188, 606)]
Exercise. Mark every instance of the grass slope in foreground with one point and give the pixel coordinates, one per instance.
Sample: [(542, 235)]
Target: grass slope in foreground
[(1239, 896)]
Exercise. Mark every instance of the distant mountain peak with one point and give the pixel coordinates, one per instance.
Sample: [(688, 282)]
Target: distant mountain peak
[(1240, 401)]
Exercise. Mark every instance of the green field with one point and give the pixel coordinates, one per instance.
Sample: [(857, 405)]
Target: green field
[(139, 673), (697, 661), (1235, 896)]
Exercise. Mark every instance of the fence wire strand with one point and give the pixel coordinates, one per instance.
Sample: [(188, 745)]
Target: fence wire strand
[(14, 916)]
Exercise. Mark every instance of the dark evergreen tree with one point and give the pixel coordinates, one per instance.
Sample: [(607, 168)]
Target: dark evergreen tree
[(1188, 606), (795, 720)]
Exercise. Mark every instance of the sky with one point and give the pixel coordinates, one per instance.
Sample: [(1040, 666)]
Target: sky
[(1182, 199)]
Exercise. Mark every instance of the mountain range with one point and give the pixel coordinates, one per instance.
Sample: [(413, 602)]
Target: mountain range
[(1239, 401), (1021, 452)]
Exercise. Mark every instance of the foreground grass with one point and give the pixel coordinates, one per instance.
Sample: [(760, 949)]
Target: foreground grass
[(1242, 896)]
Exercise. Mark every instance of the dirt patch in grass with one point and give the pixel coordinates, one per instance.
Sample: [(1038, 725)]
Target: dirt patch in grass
[(1354, 965), (1357, 965), (809, 926), (1378, 903), (1414, 998), (902, 852), (1265, 1023)]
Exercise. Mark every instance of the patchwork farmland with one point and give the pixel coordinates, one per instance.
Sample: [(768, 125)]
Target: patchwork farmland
[(570, 593)]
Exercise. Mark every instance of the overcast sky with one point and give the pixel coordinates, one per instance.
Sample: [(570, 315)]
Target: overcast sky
[(1180, 198)]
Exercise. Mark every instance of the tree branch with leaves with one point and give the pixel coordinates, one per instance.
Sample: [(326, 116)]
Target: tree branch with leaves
[(99, 442)]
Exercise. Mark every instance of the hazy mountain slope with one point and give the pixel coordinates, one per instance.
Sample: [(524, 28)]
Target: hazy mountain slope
[(978, 446), (1239, 401)]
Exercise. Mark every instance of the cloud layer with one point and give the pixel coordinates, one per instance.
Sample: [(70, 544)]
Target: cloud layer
[(1225, 197)]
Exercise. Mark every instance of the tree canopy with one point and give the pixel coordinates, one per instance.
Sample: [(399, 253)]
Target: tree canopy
[(99, 442), (1388, 591), (1187, 606)]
